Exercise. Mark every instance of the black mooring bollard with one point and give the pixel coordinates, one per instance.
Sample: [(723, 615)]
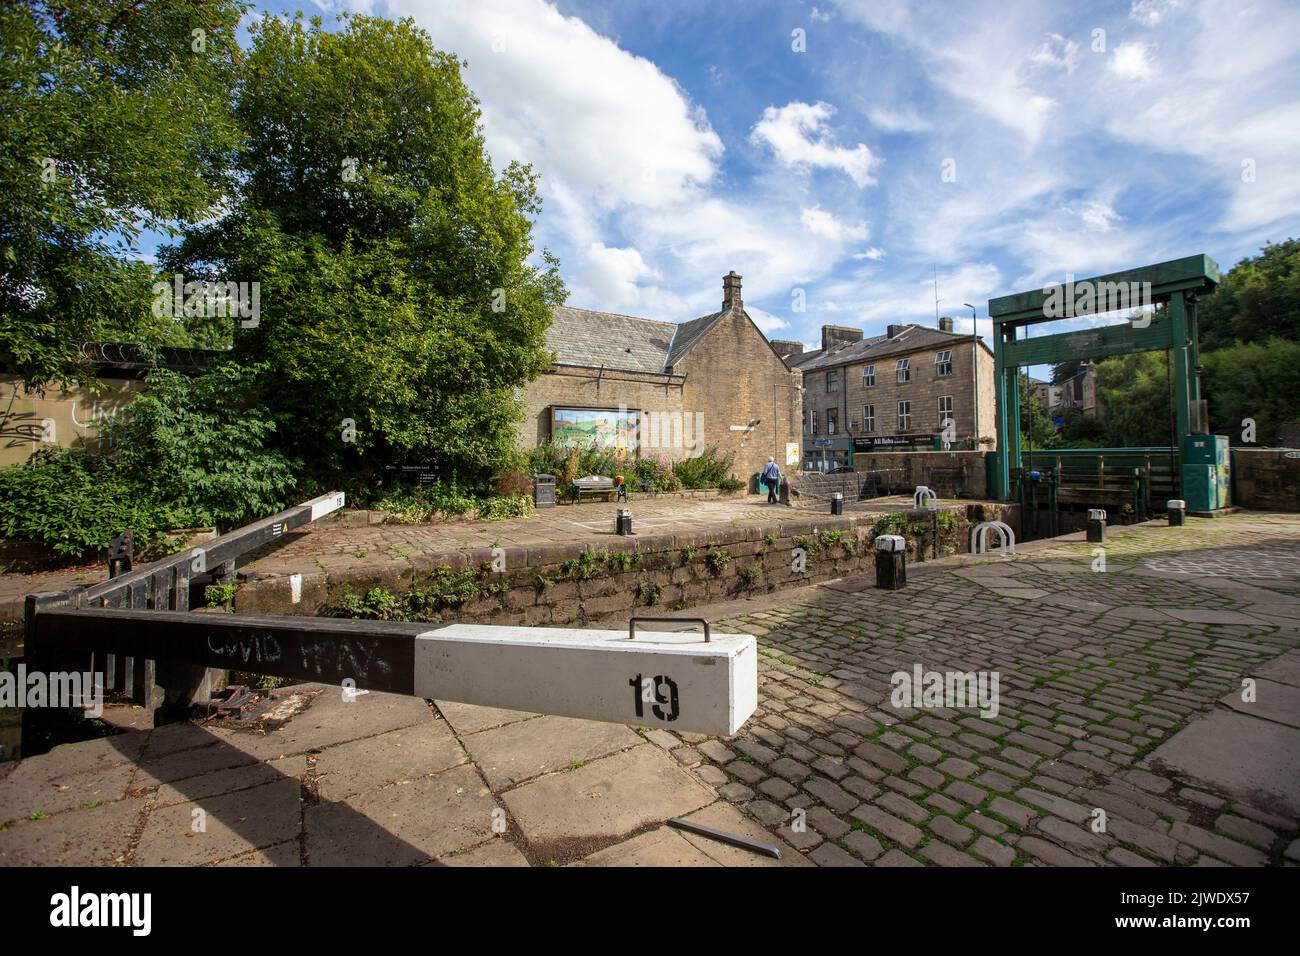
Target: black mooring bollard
[(1177, 511), (623, 523), (837, 503), (891, 562), (1096, 525)]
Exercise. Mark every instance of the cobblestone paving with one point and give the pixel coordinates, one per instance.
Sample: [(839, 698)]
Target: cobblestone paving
[(1096, 669)]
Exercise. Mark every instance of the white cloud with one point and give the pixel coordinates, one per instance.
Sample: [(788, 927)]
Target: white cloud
[(822, 223), (1133, 61), (1097, 216), (819, 16), (1058, 52), (873, 298), (797, 133), (874, 253), (766, 321), (1150, 12), (610, 126), (967, 53), (898, 121), (612, 276)]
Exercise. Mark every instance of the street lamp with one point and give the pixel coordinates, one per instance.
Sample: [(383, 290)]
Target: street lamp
[(975, 369)]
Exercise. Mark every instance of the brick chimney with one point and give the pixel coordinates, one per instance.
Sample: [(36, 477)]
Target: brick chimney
[(786, 348), (838, 336), (894, 331), (731, 291), (945, 323)]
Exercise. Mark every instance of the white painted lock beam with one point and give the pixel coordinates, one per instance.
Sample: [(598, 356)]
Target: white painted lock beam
[(674, 680)]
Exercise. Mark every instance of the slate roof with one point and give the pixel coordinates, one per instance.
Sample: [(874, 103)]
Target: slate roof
[(911, 339), (688, 333), (587, 337), (626, 342)]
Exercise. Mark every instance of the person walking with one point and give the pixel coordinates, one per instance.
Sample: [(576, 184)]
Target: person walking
[(771, 478)]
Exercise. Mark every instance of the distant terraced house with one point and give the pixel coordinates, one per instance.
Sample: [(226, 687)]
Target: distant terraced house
[(903, 390), (677, 388)]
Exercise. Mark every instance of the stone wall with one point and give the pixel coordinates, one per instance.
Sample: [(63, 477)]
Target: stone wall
[(735, 378), (1265, 479), (68, 417), (949, 474), (572, 584)]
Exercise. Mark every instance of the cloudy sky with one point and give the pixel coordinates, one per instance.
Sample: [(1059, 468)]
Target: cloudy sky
[(849, 149)]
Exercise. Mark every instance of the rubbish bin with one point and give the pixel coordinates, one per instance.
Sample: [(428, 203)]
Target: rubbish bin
[(544, 491)]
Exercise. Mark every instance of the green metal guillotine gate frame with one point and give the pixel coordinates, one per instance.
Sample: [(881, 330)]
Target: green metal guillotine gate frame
[(1176, 284)]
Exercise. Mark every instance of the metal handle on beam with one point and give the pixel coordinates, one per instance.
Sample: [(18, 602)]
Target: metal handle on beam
[(631, 624)]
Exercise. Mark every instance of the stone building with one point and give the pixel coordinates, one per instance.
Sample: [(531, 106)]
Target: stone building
[(666, 389), (1079, 391), (1049, 395), (893, 392)]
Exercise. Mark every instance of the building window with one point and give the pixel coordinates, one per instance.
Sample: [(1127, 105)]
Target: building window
[(868, 376), (868, 418), (832, 381), (904, 417), (812, 421), (903, 368), (945, 409), (943, 363), (832, 420)]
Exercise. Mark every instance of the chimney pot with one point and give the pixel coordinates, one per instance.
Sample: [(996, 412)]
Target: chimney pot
[(945, 324)]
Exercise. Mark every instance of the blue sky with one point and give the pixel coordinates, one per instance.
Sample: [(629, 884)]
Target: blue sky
[(678, 140)]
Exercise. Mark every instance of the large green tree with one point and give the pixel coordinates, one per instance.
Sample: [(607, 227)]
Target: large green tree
[(1134, 394), (1258, 299), (116, 120), (400, 306), (1259, 382)]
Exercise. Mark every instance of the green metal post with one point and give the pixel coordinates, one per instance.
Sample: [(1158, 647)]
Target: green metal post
[(1182, 374), (1006, 384)]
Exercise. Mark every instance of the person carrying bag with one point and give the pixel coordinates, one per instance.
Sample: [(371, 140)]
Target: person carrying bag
[(771, 478)]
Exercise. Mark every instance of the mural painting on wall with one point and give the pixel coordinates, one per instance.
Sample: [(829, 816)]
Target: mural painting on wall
[(611, 428)]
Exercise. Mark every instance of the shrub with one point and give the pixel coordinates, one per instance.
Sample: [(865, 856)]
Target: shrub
[(705, 470), (421, 504), (379, 604), (443, 588), (655, 474), (75, 500), (220, 595), (503, 506), (202, 444), (577, 461)]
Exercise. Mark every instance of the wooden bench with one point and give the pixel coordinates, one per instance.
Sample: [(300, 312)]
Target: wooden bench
[(594, 485)]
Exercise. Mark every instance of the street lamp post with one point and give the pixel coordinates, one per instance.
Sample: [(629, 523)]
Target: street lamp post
[(975, 369)]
